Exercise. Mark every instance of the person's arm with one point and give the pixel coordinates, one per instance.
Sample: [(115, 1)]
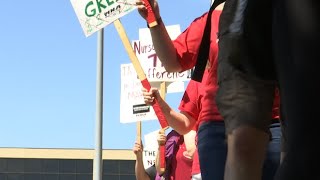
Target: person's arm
[(164, 48), (161, 40), (189, 141), (139, 167), (181, 122)]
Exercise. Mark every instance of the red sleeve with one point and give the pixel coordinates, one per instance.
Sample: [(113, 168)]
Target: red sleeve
[(187, 43), (190, 99), (276, 104)]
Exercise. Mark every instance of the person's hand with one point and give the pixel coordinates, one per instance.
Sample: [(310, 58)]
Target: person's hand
[(149, 96), (162, 138), (137, 148), (143, 11), (187, 155)]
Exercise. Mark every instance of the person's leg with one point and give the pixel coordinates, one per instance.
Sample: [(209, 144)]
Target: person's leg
[(212, 150), (272, 161), (246, 78), (296, 38), (246, 151), (246, 106), (284, 136)]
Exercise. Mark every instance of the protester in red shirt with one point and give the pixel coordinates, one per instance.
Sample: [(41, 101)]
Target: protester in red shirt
[(180, 55)]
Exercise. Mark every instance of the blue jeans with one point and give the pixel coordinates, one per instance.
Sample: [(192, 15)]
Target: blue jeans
[(212, 150), (272, 160)]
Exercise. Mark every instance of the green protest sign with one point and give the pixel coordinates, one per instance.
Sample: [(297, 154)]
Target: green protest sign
[(96, 14)]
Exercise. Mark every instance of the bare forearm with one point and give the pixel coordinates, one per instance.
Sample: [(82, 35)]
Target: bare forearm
[(189, 140), (178, 121), (140, 171), (164, 48)]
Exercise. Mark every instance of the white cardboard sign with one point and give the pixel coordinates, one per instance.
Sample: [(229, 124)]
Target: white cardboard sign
[(132, 106), (150, 148), (152, 66), (93, 15)]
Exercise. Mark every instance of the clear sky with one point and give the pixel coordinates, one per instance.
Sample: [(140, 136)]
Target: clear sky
[(48, 74)]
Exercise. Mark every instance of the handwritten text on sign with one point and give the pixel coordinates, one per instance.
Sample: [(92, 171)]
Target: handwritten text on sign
[(152, 66), (149, 157), (150, 62), (151, 148), (132, 106), (96, 14)]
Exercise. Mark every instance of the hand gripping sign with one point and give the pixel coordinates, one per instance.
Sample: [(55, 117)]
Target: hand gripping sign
[(151, 18)]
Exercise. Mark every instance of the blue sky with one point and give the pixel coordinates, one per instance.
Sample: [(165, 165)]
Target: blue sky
[(48, 74)]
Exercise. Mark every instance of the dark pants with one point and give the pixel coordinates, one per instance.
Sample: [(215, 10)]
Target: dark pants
[(296, 48), (272, 160), (212, 150)]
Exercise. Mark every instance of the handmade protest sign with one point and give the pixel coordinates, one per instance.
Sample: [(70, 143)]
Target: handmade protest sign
[(132, 106), (152, 66), (150, 148), (93, 15), (149, 60)]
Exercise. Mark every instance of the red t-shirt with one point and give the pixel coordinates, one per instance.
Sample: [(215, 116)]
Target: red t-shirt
[(195, 163), (181, 165), (276, 104), (199, 98), (187, 46), (192, 98)]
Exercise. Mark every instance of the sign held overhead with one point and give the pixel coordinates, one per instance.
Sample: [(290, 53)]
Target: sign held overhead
[(96, 14)]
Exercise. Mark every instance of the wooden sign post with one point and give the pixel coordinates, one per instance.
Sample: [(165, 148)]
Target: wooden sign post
[(162, 148), (139, 131), (144, 81)]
